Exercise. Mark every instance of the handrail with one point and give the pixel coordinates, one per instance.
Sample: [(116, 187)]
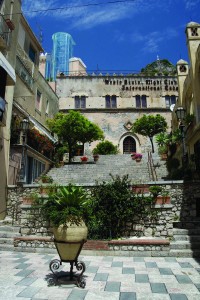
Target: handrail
[(151, 167)]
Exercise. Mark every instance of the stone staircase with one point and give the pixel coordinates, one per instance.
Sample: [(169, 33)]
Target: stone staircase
[(186, 241), (7, 234), (88, 174)]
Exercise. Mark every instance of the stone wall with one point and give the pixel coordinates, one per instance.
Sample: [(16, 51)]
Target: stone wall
[(183, 206)]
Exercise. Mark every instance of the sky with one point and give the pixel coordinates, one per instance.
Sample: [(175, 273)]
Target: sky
[(116, 36)]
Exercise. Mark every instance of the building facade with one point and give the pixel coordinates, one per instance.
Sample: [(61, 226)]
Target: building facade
[(9, 24), (114, 102), (189, 98), (34, 101)]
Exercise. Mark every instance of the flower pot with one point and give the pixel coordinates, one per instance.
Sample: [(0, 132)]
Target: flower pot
[(84, 161), (143, 188), (163, 200), (10, 24), (164, 156), (68, 240), (138, 159)]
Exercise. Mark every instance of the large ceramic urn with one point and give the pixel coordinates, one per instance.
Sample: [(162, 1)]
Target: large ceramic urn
[(69, 240)]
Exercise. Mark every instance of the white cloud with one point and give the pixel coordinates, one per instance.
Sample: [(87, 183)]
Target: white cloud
[(31, 8), (190, 4), (151, 41), (88, 16)]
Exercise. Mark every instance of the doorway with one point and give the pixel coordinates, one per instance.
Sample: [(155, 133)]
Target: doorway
[(129, 145)]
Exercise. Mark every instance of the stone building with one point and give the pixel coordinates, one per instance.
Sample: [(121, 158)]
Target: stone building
[(114, 102), (189, 98), (9, 24), (34, 101)]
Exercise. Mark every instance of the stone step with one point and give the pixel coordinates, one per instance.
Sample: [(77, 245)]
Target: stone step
[(8, 228), (6, 247), (181, 231), (190, 238), (8, 234), (184, 253), (6, 241), (185, 245), (187, 224)]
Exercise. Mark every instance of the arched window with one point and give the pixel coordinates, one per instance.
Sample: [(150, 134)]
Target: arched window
[(129, 145)]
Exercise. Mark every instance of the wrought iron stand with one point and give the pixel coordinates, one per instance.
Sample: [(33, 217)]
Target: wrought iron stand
[(80, 265)]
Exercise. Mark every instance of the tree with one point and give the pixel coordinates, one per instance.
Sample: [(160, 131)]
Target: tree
[(104, 148), (149, 125), (74, 128)]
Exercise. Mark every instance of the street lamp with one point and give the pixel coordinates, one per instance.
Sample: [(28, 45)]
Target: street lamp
[(180, 114), (24, 126)]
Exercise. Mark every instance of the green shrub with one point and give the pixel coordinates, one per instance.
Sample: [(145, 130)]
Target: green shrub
[(105, 148), (155, 190), (114, 205)]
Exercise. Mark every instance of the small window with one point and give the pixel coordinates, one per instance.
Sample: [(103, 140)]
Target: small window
[(138, 104), (38, 101), (141, 101), (111, 101), (47, 107), (32, 53), (169, 100), (80, 102), (144, 101)]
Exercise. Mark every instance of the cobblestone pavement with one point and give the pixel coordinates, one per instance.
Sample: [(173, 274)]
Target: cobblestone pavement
[(27, 276)]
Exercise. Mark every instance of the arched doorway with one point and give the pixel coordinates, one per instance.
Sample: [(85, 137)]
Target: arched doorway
[(129, 145)]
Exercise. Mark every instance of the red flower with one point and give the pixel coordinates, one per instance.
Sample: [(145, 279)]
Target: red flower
[(84, 158)]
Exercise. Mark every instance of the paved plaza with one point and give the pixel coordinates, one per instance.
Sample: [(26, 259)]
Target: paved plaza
[(27, 276)]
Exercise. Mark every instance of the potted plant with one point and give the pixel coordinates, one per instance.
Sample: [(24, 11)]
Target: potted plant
[(65, 207), (133, 155), (45, 178), (96, 157), (162, 150), (84, 159), (10, 24), (138, 157), (160, 195)]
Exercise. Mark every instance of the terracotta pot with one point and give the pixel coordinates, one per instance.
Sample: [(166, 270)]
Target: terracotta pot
[(164, 156), (138, 159), (10, 24), (163, 200), (140, 188)]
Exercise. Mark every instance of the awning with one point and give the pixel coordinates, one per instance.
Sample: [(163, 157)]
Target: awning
[(42, 130), (37, 125), (11, 78)]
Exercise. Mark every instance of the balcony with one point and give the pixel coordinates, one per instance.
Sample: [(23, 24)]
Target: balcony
[(6, 27), (24, 73)]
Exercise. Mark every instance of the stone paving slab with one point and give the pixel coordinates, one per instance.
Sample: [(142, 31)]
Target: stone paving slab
[(27, 276)]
